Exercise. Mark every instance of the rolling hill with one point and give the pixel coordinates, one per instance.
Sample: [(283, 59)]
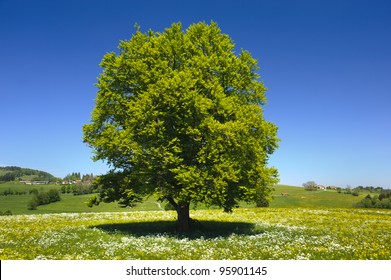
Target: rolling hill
[(294, 197), (12, 173)]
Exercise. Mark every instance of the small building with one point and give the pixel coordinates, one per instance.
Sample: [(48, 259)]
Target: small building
[(40, 182), (25, 182)]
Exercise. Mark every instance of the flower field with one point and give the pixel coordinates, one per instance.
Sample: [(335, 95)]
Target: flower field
[(267, 233)]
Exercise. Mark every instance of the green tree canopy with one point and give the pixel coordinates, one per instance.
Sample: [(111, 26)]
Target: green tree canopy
[(179, 114)]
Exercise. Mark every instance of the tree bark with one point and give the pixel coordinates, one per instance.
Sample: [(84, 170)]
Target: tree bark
[(183, 222), (183, 212)]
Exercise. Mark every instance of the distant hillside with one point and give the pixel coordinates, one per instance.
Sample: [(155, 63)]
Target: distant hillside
[(291, 196), (12, 173)]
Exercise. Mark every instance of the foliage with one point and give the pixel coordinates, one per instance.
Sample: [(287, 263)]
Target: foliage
[(43, 198), (33, 191), (73, 176), (371, 189), (377, 201), (310, 186), (298, 197), (92, 201), (10, 191), (77, 176), (88, 177), (33, 203), (168, 207), (385, 194), (6, 213), (265, 233), (261, 200), (65, 188), (355, 192), (76, 189), (7, 177), (114, 186), (179, 114), (53, 195), (15, 172), (79, 189)]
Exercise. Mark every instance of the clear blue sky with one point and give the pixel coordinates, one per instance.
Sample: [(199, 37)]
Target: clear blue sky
[(326, 64)]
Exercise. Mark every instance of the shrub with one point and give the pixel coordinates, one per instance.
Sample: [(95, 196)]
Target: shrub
[(8, 191), (7, 213), (93, 200), (33, 203), (348, 191), (385, 194), (33, 191), (310, 186), (355, 193), (381, 201), (54, 195), (8, 177), (63, 189), (43, 198), (80, 189), (384, 203)]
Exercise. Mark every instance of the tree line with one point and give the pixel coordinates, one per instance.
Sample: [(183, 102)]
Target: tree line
[(383, 200), (74, 176), (12, 173), (378, 197), (42, 198)]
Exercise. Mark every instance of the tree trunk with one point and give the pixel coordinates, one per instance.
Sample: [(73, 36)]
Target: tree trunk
[(183, 222)]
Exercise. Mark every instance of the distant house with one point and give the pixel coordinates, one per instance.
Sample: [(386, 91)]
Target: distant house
[(332, 187), (321, 187), (25, 182), (40, 182), (34, 182), (69, 182)]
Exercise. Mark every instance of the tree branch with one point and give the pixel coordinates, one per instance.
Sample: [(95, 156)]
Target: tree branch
[(172, 202)]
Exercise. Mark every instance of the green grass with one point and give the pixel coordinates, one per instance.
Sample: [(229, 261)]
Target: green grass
[(268, 233), (76, 204), (69, 203), (298, 197), (22, 187), (302, 225)]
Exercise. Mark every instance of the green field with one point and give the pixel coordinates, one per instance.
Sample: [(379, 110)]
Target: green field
[(69, 203), (301, 225), (297, 197), (247, 233)]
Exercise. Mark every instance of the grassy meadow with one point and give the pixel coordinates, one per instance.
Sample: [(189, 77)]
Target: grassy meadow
[(248, 233), (297, 197), (302, 225), (69, 203)]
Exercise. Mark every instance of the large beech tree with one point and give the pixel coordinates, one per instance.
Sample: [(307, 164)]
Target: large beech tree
[(179, 114)]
